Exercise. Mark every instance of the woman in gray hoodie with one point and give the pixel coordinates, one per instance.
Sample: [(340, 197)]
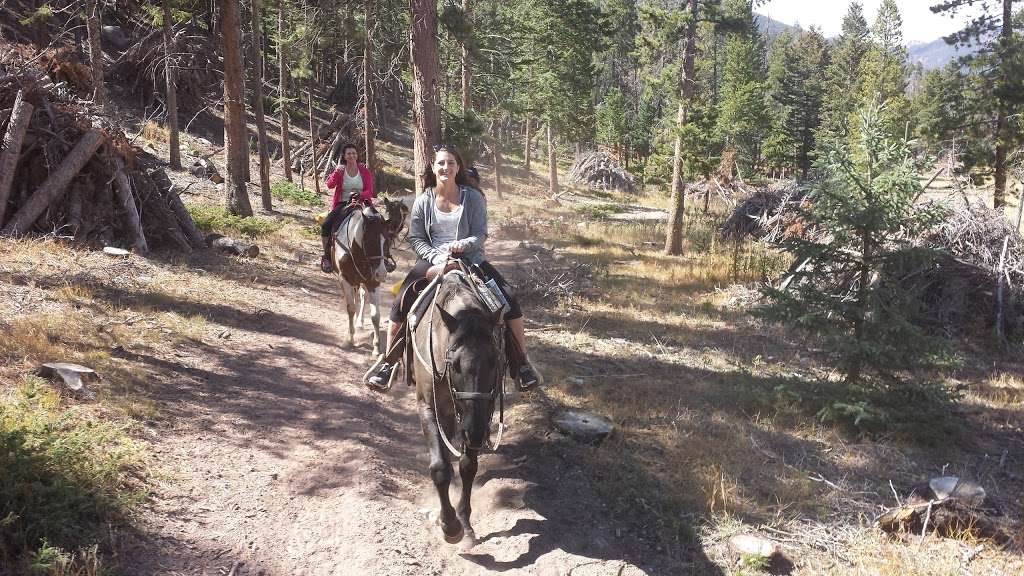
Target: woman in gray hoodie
[(450, 219)]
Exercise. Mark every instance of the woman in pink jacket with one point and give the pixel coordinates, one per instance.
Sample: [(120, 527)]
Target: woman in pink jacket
[(350, 180)]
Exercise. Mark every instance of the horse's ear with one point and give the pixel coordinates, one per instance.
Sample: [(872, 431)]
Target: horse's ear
[(449, 321)]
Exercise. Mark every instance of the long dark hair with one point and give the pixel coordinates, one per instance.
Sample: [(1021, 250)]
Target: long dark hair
[(430, 181)]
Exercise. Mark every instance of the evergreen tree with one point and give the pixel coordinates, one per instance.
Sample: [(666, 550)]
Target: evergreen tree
[(884, 72), (862, 208), (612, 120), (743, 116), (1000, 61), (938, 105), (842, 79), (797, 79)]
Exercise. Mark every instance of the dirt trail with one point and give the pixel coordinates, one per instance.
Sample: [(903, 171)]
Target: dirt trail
[(272, 458)]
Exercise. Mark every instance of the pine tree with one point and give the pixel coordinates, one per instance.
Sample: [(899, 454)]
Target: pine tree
[(613, 120), (884, 71), (743, 116), (796, 83), (939, 107), (1000, 61), (862, 210), (842, 77)]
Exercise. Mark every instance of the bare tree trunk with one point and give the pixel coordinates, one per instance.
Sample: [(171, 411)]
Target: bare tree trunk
[(674, 235), (552, 164), (496, 150), (1002, 132), (369, 95), (173, 139), (426, 112), (11, 149), (527, 135), (123, 188), (282, 68), (92, 18), (312, 137), (261, 120), (467, 95), (234, 112), (55, 183)]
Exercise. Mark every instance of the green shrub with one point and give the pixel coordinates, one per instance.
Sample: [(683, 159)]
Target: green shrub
[(289, 191), (63, 479), (211, 218)]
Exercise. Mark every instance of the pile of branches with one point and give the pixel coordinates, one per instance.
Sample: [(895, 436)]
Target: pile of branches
[(597, 169), (62, 171), (342, 129), (959, 290), (770, 214)]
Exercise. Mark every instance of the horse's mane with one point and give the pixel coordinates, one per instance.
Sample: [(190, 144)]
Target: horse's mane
[(474, 320)]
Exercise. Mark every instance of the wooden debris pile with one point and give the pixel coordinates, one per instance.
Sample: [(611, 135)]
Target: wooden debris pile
[(62, 171), (948, 506), (342, 129), (770, 214), (597, 169)]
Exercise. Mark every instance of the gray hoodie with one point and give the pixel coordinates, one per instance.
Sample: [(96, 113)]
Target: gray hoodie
[(472, 226)]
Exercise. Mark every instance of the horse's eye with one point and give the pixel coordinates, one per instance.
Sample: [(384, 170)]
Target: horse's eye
[(457, 366)]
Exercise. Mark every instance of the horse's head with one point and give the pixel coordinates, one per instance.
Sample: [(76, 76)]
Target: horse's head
[(371, 239), (395, 212), (473, 357)]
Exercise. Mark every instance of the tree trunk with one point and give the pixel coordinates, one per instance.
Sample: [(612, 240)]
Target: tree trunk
[(235, 131), (467, 97), (425, 109), (552, 164), (21, 114), (674, 234), (261, 120), (92, 18), (282, 68), (173, 138), (496, 150), (1002, 132), (126, 199), (312, 138), (55, 183), (527, 135), (369, 99)]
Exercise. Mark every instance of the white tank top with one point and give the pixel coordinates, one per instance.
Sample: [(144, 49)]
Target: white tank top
[(352, 184), (445, 228)]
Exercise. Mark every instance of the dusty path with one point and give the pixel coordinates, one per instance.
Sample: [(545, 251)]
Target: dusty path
[(273, 459)]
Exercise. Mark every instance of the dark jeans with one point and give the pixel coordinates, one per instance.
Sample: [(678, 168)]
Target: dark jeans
[(328, 226), (419, 271)]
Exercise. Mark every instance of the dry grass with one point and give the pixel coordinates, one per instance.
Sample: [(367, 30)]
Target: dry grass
[(716, 411)]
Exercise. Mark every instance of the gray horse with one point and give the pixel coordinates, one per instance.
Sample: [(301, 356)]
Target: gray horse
[(458, 367)]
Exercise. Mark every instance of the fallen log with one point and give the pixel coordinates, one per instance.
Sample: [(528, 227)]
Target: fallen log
[(55, 184), (160, 222), (126, 200), (11, 148)]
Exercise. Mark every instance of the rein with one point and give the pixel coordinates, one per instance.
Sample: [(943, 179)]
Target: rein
[(445, 376)]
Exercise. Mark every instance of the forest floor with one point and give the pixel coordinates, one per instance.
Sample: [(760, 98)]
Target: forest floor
[(263, 453)]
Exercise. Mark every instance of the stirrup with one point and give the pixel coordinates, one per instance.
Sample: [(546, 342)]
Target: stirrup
[(374, 369)]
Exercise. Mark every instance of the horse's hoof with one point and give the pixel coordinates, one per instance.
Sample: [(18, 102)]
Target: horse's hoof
[(454, 538), (467, 542)]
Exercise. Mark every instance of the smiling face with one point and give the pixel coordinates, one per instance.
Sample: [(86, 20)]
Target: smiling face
[(351, 156), (445, 167)]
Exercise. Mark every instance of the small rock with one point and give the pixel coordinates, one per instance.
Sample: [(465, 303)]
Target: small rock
[(953, 487), (583, 426), (117, 252), (72, 375), (753, 545)]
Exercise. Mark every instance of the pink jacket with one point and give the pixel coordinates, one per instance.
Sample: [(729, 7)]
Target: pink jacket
[(338, 176)]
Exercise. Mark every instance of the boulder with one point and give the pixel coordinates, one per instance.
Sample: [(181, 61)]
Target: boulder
[(583, 426)]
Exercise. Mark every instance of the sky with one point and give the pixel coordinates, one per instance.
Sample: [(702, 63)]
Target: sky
[(919, 24)]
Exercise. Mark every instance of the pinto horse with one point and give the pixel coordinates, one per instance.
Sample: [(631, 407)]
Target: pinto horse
[(361, 258), (458, 368)]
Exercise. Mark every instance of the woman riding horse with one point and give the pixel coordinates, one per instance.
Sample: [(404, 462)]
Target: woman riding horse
[(349, 180), (449, 220)]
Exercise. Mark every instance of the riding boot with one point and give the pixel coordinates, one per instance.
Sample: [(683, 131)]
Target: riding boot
[(380, 375), (326, 264), (520, 369)]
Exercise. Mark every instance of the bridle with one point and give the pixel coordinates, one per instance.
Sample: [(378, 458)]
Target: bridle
[(375, 224), (444, 375)]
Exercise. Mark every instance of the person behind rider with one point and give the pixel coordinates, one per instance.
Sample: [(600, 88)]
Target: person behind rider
[(449, 219), (349, 180)]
